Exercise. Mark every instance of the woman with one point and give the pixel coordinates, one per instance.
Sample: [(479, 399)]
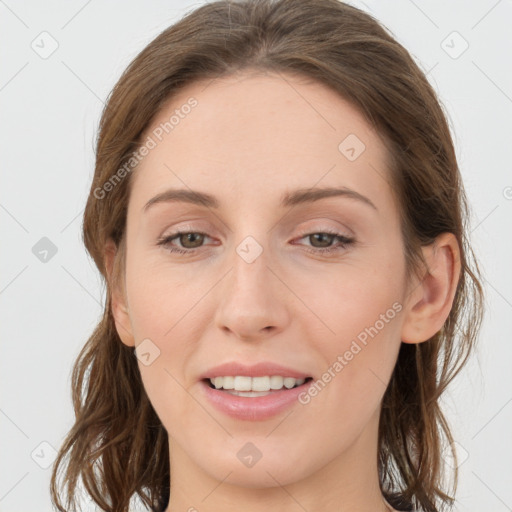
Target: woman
[(279, 217)]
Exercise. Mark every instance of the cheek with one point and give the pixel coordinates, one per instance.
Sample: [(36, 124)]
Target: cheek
[(360, 312), (360, 355), (161, 299), (347, 298)]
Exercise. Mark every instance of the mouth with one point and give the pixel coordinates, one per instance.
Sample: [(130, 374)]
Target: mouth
[(261, 386), (253, 398)]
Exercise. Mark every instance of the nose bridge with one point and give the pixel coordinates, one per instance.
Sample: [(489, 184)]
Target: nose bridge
[(249, 250), (250, 274), (250, 302)]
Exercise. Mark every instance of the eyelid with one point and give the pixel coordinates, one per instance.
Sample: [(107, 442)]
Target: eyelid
[(184, 228), (342, 230)]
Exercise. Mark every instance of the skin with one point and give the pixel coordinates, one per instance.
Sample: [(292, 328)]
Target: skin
[(251, 138)]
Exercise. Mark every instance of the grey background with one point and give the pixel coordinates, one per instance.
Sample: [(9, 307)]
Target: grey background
[(50, 109)]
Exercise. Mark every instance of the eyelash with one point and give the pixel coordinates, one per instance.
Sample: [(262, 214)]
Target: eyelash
[(344, 242)]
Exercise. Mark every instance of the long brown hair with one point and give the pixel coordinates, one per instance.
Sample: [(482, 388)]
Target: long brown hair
[(118, 448)]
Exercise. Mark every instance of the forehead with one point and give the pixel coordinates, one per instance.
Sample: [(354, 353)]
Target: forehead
[(257, 135)]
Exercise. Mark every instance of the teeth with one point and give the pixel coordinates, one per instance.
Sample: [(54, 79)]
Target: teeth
[(257, 384)]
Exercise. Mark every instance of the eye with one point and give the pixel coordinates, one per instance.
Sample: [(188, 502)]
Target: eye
[(194, 238), (325, 239)]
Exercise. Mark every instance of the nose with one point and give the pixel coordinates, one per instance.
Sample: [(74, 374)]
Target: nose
[(252, 299)]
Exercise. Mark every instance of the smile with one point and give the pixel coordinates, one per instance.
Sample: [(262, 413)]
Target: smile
[(253, 399)]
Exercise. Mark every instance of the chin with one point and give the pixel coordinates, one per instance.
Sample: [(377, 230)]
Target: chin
[(263, 467)]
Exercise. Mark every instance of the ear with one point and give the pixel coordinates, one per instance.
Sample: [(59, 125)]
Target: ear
[(430, 301), (119, 303)]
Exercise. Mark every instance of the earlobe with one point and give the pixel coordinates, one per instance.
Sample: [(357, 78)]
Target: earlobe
[(430, 302), (118, 302)]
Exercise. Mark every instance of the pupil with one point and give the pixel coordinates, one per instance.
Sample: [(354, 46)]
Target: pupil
[(327, 235), (189, 237)]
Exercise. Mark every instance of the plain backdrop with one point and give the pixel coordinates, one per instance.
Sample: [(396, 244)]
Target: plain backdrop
[(58, 62)]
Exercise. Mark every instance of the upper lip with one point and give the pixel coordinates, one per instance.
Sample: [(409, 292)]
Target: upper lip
[(260, 369)]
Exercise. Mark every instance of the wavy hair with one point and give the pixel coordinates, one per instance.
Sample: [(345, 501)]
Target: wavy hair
[(117, 447)]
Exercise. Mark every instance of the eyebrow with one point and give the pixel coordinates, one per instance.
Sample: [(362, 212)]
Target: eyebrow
[(293, 198)]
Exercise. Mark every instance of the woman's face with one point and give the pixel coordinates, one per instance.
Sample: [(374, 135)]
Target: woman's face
[(253, 285)]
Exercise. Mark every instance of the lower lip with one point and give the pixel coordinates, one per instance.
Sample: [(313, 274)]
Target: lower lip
[(253, 408)]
